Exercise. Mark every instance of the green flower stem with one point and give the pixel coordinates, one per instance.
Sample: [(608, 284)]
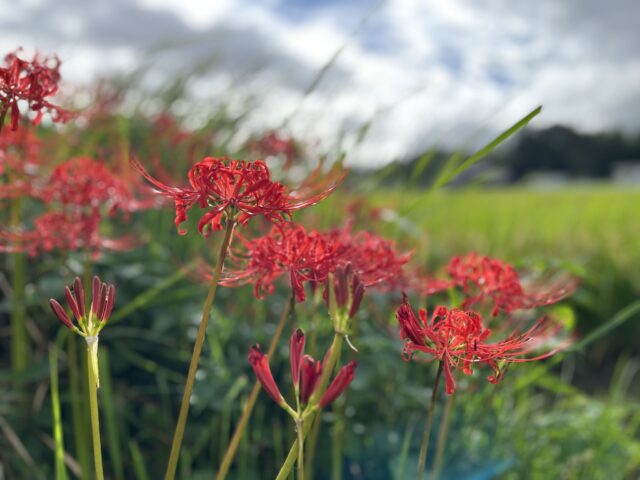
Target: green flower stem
[(253, 395), (19, 340), (337, 433), (422, 459), (61, 472), (80, 432), (299, 430), (311, 450), (195, 357), (312, 410), (92, 360), (443, 432)]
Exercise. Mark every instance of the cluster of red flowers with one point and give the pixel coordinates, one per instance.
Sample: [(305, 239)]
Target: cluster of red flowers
[(32, 82), (237, 189), (84, 182), (305, 372), (459, 340), (309, 256), (272, 145), (483, 277), (65, 231), (19, 152), (76, 193)]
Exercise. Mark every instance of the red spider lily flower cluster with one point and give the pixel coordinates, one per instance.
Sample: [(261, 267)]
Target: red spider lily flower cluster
[(310, 256), (235, 188), (288, 250), (85, 182), (64, 231), (305, 371), (87, 324), (76, 194), (459, 340), (483, 277), (19, 152), (31, 81), (272, 144)]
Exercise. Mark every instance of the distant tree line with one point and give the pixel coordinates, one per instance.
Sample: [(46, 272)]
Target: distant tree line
[(558, 148), (561, 148)]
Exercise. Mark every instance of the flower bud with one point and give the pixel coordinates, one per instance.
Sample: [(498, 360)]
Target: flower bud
[(260, 365), (340, 383)]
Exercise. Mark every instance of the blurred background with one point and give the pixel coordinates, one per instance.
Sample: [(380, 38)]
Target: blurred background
[(404, 93)]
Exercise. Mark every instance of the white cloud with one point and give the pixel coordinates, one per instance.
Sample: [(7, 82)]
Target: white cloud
[(427, 72)]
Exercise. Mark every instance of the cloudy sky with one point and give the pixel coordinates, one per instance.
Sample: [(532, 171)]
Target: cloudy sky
[(422, 73)]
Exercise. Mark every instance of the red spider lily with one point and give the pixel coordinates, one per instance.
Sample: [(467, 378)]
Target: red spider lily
[(19, 161), (374, 259), (272, 144), (306, 374), (483, 277), (459, 340), (20, 151), (75, 193), (291, 250), (64, 231), (238, 189), (103, 300), (310, 256), (85, 182), (31, 81), (360, 209)]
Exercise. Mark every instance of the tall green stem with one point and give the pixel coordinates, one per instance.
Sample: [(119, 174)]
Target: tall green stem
[(195, 356), (336, 347), (19, 340), (61, 473), (443, 432), (311, 450), (78, 418), (92, 361), (299, 430), (422, 459), (253, 395)]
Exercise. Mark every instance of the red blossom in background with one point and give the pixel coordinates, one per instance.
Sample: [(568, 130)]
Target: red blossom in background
[(237, 188), (273, 144), (20, 158), (79, 194), (31, 81), (458, 339), (20, 151), (309, 256), (483, 278), (87, 183), (64, 231), (290, 250)]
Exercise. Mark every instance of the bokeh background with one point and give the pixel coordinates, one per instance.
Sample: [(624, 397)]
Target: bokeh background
[(402, 92)]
